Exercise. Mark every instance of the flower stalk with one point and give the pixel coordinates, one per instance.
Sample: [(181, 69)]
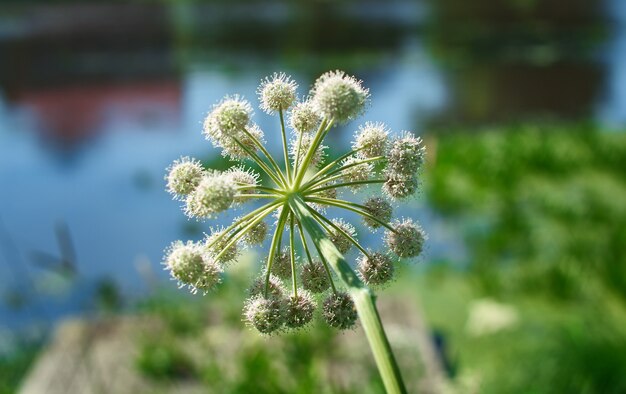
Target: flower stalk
[(298, 197)]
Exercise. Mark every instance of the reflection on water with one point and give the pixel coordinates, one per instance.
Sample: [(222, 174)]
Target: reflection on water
[(95, 103)]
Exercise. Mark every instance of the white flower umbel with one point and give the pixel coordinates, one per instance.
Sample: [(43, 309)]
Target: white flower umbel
[(295, 191), (304, 118), (183, 176), (339, 96), (277, 92)]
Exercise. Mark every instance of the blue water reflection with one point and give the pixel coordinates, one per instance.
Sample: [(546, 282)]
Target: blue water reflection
[(94, 156)]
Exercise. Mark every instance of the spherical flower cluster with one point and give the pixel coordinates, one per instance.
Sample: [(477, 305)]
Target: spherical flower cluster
[(296, 189), (355, 171), (265, 314), (277, 93), (299, 309), (191, 267), (400, 188), (215, 193), (380, 209), (407, 239), (183, 176), (376, 269), (314, 277), (406, 155), (303, 117), (371, 140), (339, 96), (338, 310), (338, 238), (228, 127)]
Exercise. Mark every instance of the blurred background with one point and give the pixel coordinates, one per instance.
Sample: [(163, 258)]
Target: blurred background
[(522, 104)]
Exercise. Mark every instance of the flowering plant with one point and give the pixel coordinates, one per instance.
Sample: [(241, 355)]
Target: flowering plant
[(303, 186)]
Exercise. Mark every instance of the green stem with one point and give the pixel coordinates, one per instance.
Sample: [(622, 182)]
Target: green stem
[(329, 176), (330, 165), (363, 298), (280, 227), (356, 208), (319, 135), (260, 162), (267, 154), (242, 231), (239, 222), (321, 219), (297, 158), (292, 244), (285, 146), (345, 184), (308, 255)]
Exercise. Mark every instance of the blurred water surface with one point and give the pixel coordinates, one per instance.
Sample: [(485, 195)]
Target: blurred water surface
[(96, 100)]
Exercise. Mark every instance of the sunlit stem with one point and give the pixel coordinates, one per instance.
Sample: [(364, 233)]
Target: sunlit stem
[(239, 222), (297, 158), (310, 259), (363, 297), (321, 219), (285, 146), (357, 208), (259, 145), (245, 195), (329, 166), (235, 237), (280, 227), (345, 184), (270, 190), (292, 247), (260, 162), (329, 176), (319, 135)]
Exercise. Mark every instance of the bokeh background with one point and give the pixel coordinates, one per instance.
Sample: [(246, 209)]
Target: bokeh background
[(522, 104)]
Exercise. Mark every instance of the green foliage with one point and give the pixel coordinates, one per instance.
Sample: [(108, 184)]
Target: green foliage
[(14, 366), (543, 209), (545, 205), (162, 359)]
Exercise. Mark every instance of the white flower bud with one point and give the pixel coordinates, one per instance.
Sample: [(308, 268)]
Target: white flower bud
[(214, 194), (371, 140), (190, 266), (377, 269), (277, 92), (406, 156), (299, 309), (267, 315), (183, 175), (303, 117), (339, 311), (407, 240), (400, 188), (227, 118), (338, 96), (314, 277)]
